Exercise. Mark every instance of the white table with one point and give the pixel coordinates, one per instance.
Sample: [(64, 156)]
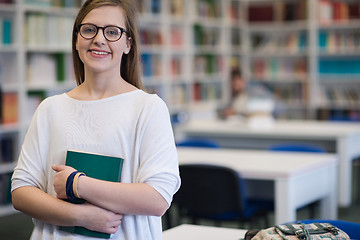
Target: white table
[(299, 178), (198, 232), (340, 138)]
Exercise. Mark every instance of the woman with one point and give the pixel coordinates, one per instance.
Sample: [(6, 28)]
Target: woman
[(239, 98), (107, 113)]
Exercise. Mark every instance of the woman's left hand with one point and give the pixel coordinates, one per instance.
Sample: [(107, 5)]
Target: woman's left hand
[(60, 178)]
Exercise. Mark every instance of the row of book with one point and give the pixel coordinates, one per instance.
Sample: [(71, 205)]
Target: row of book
[(6, 24), (330, 11), (151, 36), (51, 31), (208, 9), (178, 95), (151, 65), (208, 64), (343, 95), (282, 11), (206, 91), (49, 69), (176, 66), (149, 6), (295, 42), (339, 42), (282, 69), (206, 36), (55, 3), (347, 66), (235, 37), (334, 114), (177, 8), (234, 11), (289, 94)]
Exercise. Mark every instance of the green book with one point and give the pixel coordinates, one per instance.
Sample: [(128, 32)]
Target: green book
[(103, 167)]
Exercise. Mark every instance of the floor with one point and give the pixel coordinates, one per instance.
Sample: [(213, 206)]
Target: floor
[(19, 226)]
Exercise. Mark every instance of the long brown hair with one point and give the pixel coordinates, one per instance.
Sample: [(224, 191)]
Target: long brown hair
[(130, 63)]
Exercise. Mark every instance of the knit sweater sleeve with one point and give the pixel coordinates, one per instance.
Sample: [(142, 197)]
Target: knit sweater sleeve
[(30, 169), (158, 156)]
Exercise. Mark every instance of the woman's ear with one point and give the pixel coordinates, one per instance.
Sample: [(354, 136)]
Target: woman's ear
[(128, 45)]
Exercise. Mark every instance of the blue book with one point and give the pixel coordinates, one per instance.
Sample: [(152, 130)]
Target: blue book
[(7, 31)]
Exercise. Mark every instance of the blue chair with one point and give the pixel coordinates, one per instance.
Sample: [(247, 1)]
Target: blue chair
[(214, 193), (351, 228), (198, 142), (297, 148), (189, 142)]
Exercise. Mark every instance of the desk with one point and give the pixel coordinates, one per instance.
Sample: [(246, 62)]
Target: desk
[(340, 138), (299, 178), (198, 232)]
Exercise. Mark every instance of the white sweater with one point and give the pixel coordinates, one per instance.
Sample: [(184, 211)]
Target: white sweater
[(134, 125)]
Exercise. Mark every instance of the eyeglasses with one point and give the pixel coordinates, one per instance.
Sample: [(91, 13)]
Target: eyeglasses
[(111, 33)]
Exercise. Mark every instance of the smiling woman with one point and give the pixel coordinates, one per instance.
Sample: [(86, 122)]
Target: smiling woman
[(108, 113)]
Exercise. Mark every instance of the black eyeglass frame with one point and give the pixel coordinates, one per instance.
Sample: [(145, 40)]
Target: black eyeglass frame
[(122, 30)]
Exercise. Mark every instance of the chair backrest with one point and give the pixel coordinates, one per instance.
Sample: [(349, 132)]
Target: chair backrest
[(209, 191), (198, 142), (297, 148)]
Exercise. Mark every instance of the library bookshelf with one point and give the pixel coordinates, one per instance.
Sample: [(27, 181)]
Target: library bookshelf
[(188, 49)]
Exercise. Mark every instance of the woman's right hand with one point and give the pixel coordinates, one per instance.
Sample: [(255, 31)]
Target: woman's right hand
[(99, 219)]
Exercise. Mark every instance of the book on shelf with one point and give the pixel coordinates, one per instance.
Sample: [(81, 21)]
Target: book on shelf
[(6, 24), (7, 148), (233, 12), (151, 37), (41, 69), (177, 8), (55, 3), (6, 1), (9, 108), (206, 36), (151, 65), (102, 167), (342, 66), (177, 36), (156, 6), (337, 11), (60, 60), (339, 41), (44, 26), (261, 13), (208, 9)]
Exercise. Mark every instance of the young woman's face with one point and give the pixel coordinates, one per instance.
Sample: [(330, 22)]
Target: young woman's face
[(98, 54)]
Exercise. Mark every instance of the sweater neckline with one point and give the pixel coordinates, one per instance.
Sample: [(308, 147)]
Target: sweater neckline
[(102, 99)]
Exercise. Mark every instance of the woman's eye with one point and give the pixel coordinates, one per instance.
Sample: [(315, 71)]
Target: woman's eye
[(112, 32), (89, 30)]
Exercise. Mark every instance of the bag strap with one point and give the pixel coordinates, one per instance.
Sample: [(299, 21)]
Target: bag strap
[(303, 233)]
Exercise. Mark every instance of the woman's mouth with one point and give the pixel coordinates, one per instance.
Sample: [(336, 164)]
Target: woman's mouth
[(96, 52)]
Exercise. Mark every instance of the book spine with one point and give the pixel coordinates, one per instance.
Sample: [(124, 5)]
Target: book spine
[(7, 145), (7, 32), (9, 108)]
